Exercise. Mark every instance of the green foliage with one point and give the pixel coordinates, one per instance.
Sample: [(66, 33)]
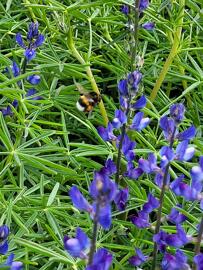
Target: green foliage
[(47, 145)]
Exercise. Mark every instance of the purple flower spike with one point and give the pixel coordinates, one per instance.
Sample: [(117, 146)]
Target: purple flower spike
[(140, 103), (138, 259), (102, 260), (30, 54), (106, 133), (123, 102), (198, 260), (132, 172), (120, 119), (142, 220), (175, 262), (183, 152), (148, 26), (77, 246), (123, 87), (125, 9), (139, 122), (121, 199), (176, 217), (177, 112), (188, 134), (152, 204), (34, 79), (19, 40), (79, 201), (143, 5)]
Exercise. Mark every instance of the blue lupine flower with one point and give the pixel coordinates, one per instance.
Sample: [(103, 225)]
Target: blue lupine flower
[(151, 204), (104, 215), (119, 119), (34, 40), (124, 102), (143, 5), (138, 259), (177, 112), (125, 9), (102, 260), (187, 134), (177, 240), (102, 186), (128, 148), (79, 201), (198, 260), (123, 87), (78, 245), (32, 92), (159, 178), (13, 265), (15, 103), (183, 152), (167, 155), (197, 176), (109, 168), (106, 133), (182, 189), (140, 103), (148, 26), (4, 232), (150, 165), (121, 199), (132, 172), (168, 126), (139, 122), (7, 111), (141, 220), (176, 217), (134, 79), (175, 262), (14, 68), (34, 79)]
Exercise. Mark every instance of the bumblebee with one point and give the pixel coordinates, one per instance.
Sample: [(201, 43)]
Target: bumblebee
[(87, 101)]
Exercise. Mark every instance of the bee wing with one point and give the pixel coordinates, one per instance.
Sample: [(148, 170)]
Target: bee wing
[(80, 88)]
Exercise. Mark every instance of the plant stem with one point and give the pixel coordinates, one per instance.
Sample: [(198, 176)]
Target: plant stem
[(199, 238), (136, 33), (94, 234), (24, 65), (172, 54), (163, 188), (90, 75)]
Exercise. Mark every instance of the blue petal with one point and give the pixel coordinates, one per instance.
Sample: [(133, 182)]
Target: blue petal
[(83, 239), (140, 103), (78, 200), (148, 26), (3, 247), (34, 79), (187, 134), (19, 40), (30, 54), (39, 41)]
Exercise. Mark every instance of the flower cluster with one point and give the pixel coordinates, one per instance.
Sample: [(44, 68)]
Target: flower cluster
[(9, 264), (103, 191), (183, 152), (143, 4), (34, 40)]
